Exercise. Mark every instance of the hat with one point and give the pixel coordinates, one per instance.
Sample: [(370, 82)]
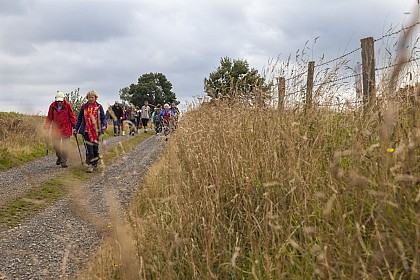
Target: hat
[(59, 96)]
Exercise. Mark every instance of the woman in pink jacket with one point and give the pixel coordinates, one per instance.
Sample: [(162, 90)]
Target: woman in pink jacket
[(62, 119)]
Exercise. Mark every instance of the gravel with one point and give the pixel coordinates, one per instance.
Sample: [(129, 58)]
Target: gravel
[(16, 181), (56, 243)]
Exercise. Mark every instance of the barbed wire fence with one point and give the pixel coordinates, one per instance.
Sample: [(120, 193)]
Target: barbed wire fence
[(333, 83)]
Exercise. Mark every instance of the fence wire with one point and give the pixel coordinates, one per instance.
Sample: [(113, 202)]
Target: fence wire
[(397, 32), (353, 51), (356, 75), (300, 92), (338, 58), (396, 64)]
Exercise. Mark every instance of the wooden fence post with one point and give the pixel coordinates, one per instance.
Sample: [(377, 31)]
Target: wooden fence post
[(310, 84), (368, 73), (281, 86)]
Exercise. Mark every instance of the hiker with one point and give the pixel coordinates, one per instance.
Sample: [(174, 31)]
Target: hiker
[(167, 117), (91, 123), (145, 115), (62, 119), (155, 118), (123, 119), (131, 116), (138, 119), (116, 118), (176, 112)]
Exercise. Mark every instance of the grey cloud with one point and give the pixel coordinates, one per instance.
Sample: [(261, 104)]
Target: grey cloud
[(106, 45), (13, 8), (75, 21)]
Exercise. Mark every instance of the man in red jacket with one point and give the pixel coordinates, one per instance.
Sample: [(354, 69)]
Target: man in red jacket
[(63, 119)]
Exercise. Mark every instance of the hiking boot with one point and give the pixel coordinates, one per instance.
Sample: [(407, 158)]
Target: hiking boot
[(58, 162), (90, 169), (64, 165)]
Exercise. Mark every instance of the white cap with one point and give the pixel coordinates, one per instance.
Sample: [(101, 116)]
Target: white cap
[(59, 96)]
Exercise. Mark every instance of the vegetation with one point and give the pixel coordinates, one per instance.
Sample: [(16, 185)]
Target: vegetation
[(233, 79), (76, 100), (153, 87), (21, 139)]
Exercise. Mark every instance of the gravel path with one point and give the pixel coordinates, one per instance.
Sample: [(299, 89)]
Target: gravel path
[(15, 181), (56, 242)]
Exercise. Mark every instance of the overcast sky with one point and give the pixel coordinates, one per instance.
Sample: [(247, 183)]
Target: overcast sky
[(105, 45)]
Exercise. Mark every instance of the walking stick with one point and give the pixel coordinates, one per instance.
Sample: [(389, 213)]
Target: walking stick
[(77, 142), (47, 140)]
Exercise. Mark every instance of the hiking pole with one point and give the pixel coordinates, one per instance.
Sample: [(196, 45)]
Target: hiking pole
[(77, 142), (47, 138)]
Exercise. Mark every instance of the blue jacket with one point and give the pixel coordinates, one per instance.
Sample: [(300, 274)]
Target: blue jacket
[(81, 124), (162, 113)]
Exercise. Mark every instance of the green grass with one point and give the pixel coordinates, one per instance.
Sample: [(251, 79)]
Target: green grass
[(34, 199), (9, 160)]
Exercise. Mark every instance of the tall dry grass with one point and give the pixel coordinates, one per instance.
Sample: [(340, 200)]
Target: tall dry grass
[(258, 193), (21, 138)]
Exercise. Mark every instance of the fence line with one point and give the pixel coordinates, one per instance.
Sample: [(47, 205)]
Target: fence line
[(294, 77), (376, 40), (338, 58), (339, 79), (352, 76), (395, 64), (396, 32), (368, 54)]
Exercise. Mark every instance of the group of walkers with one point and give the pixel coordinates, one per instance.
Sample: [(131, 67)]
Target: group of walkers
[(91, 122), (131, 116), (137, 118)]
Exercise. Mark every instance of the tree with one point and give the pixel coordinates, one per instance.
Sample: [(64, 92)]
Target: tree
[(125, 93), (233, 78), (75, 100), (153, 87)]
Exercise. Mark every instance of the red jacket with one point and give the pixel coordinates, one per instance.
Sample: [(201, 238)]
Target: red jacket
[(62, 121)]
